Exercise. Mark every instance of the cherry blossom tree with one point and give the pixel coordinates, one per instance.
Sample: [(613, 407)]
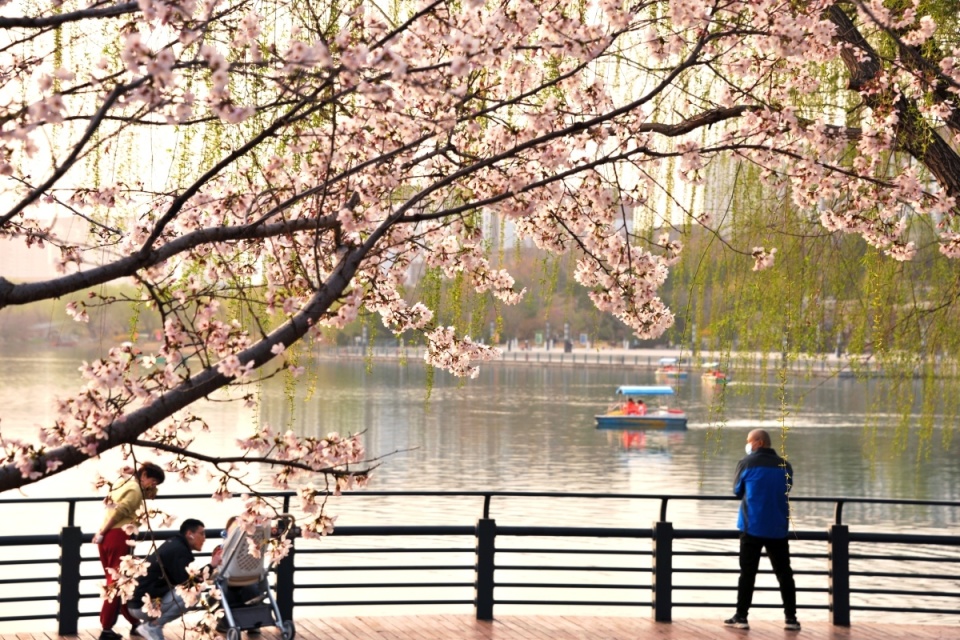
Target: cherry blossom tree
[(261, 171)]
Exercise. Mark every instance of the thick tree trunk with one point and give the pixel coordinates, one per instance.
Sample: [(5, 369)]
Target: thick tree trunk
[(914, 134)]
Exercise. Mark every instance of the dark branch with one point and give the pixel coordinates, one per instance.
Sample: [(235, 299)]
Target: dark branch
[(128, 428), (63, 18)]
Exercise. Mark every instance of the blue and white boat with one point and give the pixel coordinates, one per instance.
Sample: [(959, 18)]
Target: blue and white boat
[(656, 414)]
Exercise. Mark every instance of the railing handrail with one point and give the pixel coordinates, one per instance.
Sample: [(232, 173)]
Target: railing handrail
[(838, 502)]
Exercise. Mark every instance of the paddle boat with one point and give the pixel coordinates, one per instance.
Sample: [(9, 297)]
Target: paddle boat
[(713, 374), (671, 368), (655, 414)]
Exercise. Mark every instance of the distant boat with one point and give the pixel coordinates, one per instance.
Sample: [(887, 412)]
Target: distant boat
[(671, 368), (659, 415), (713, 374)]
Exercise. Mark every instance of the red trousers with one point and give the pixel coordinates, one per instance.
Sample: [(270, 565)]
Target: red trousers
[(112, 548)]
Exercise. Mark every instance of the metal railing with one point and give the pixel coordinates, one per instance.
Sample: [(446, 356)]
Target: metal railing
[(484, 556)]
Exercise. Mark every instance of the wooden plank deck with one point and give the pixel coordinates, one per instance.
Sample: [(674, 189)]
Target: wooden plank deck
[(466, 627)]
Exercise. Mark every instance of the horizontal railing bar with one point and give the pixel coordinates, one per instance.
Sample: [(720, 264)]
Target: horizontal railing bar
[(27, 580), (586, 552), (868, 556), (905, 592), (724, 605), (38, 616), (904, 538), (736, 554), (411, 567), (383, 550), (693, 587), (29, 599), (351, 603), (574, 532), (577, 603), (380, 585), (760, 572), (903, 576), (904, 609), (527, 567), (570, 585), (412, 530), (21, 541), (8, 563), (732, 534)]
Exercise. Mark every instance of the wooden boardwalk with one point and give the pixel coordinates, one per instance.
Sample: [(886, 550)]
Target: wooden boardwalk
[(466, 627)]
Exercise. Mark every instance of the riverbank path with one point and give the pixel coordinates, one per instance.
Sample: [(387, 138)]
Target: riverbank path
[(467, 627)]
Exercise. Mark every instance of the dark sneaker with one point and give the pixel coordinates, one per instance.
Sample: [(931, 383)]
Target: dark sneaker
[(134, 633), (791, 625), (738, 622), (110, 634)]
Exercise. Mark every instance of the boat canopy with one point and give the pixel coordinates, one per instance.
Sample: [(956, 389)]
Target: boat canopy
[(711, 365), (665, 361), (645, 391)]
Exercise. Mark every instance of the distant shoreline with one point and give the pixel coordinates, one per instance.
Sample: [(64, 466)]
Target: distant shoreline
[(822, 365)]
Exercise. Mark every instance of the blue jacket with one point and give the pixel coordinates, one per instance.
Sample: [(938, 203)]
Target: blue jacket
[(762, 482)]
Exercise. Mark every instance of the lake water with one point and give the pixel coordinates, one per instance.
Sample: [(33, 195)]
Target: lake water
[(531, 428)]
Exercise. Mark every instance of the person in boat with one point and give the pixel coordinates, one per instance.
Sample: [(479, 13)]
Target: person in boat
[(634, 408)]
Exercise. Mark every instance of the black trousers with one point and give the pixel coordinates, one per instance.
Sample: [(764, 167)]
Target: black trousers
[(778, 550)]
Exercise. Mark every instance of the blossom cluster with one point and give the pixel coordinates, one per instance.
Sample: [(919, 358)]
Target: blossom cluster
[(446, 351)]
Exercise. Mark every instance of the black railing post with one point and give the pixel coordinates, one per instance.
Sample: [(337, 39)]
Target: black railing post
[(483, 588), (662, 571), (284, 592), (839, 555), (68, 598)]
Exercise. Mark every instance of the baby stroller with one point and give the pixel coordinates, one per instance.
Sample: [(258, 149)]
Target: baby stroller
[(244, 573)]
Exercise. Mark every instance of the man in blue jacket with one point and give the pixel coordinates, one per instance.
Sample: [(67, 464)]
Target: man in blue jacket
[(762, 482)]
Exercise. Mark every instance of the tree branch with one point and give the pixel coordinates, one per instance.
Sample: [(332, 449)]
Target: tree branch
[(25, 293), (63, 18), (160, 446), (126, 429)]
